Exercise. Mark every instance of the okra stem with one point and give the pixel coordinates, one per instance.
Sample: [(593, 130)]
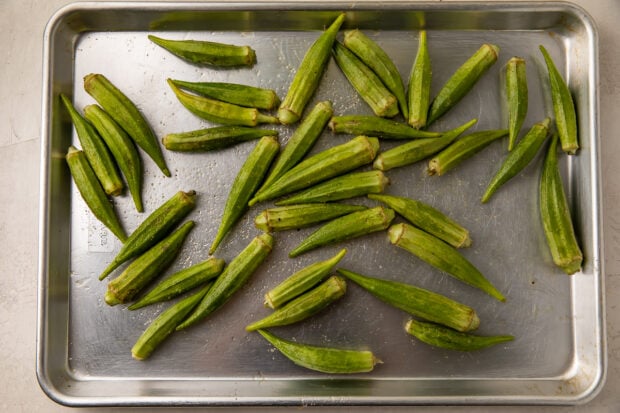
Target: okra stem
[(419, 89), (439, 336), (376, 126), (208, 53)]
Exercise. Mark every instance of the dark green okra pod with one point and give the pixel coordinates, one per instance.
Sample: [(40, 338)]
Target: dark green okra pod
[(370, 125), (517, 98), (439, 336), (301, 216), (208, 53), (419, 89), (210, 139), (242, 95)]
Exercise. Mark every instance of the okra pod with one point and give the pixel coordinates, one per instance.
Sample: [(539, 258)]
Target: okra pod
[(301, 216), (210, 139), (301, 281), (247, 181), (126, 114), (517, 98), (427, 218), (463, 149), (462, 81), (441, 256), (439, 336), (308, 74), (181, 282), (96, 151), (419, 89), (555, 215), (519, 158), (154, 228), (563, 107), (146, 267), (93, 194), (234, 276), (208, 53), (242, 95), (418, 301), (376, 126), (323, 359), (365, 82), (304, 306), (346, 227)]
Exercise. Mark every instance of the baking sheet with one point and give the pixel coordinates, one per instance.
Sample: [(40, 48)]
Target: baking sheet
[(84, 345)]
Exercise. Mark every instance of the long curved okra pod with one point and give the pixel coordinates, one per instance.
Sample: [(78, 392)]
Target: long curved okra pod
[(441, 256), (123, 149), (365, 82), (147, 266), (126, 114), (556, 217), (462, 81), (210, 139), (96, 151), (234, 276), (418, 301), (93, 194), (349, 226), (517, 97), (323, 359), (154, 228), (242, 95), (208, 53), (439, 336), (301, 216), (419, 88), (519, 158), (309, 74), (370, 125)]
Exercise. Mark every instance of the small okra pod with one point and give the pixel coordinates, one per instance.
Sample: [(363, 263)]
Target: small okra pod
[(247, 181), (220, 112), (418, 149), (154, 228), (96, 151), (165, 324), (463, 149), (304, 306), (419, 89), (210, 139), (208, 53), (439, 336), (376, 126), (353, 225), (301, 281), (418, 301), (517, 98), (365, 82), (563, 107), (323, 359), (519, 158), (462, 81), (93, 194), (234, 276), (181, 282), (427, 218), (146, 267), (555, 215), (126, 114), (309, 74), (242, 95), (300, 216), (123, 149), (440, 255)]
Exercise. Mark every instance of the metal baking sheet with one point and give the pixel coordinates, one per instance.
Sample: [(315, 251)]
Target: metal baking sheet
[(558, 356)]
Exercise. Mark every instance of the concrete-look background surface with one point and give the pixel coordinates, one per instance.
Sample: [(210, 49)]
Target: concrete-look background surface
[(21, 35)]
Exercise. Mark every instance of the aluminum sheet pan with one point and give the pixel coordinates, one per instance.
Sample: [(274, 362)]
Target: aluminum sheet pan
[(558, 356)]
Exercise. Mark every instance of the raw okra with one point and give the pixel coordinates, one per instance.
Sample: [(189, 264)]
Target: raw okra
[(439, 336), (376, 126), (208, 53), (242, 95), (419, 89), (517, 98), (210, 139), (300, 216)]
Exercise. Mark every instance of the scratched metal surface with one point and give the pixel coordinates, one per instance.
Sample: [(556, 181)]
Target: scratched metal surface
[(84, 345)]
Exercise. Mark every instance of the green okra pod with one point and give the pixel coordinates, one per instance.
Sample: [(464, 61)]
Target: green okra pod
[(126, 114), (208, 53), (519, 158), (365, 82), (463, 149), (246, 183), (563, 107), (353, 225), (441, 256), (154, 228), (234, 276), (419, 89), (140, 272), (517, 98), (181, 282), (555, 215), (309, 74), (301, 216), (418, 301), (376, 126), (301, 281), (93, 194), (304, 306), (242, 95), (462, 81), (439, 336), (210, 139), (96, 151), (323, 359)]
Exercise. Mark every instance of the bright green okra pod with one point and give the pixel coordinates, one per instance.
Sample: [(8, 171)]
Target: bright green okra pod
[(209, 139), (237, 94), (369, 125), (419, 88), (300, 216), (517, 98), (439, 336), (208, 53)]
